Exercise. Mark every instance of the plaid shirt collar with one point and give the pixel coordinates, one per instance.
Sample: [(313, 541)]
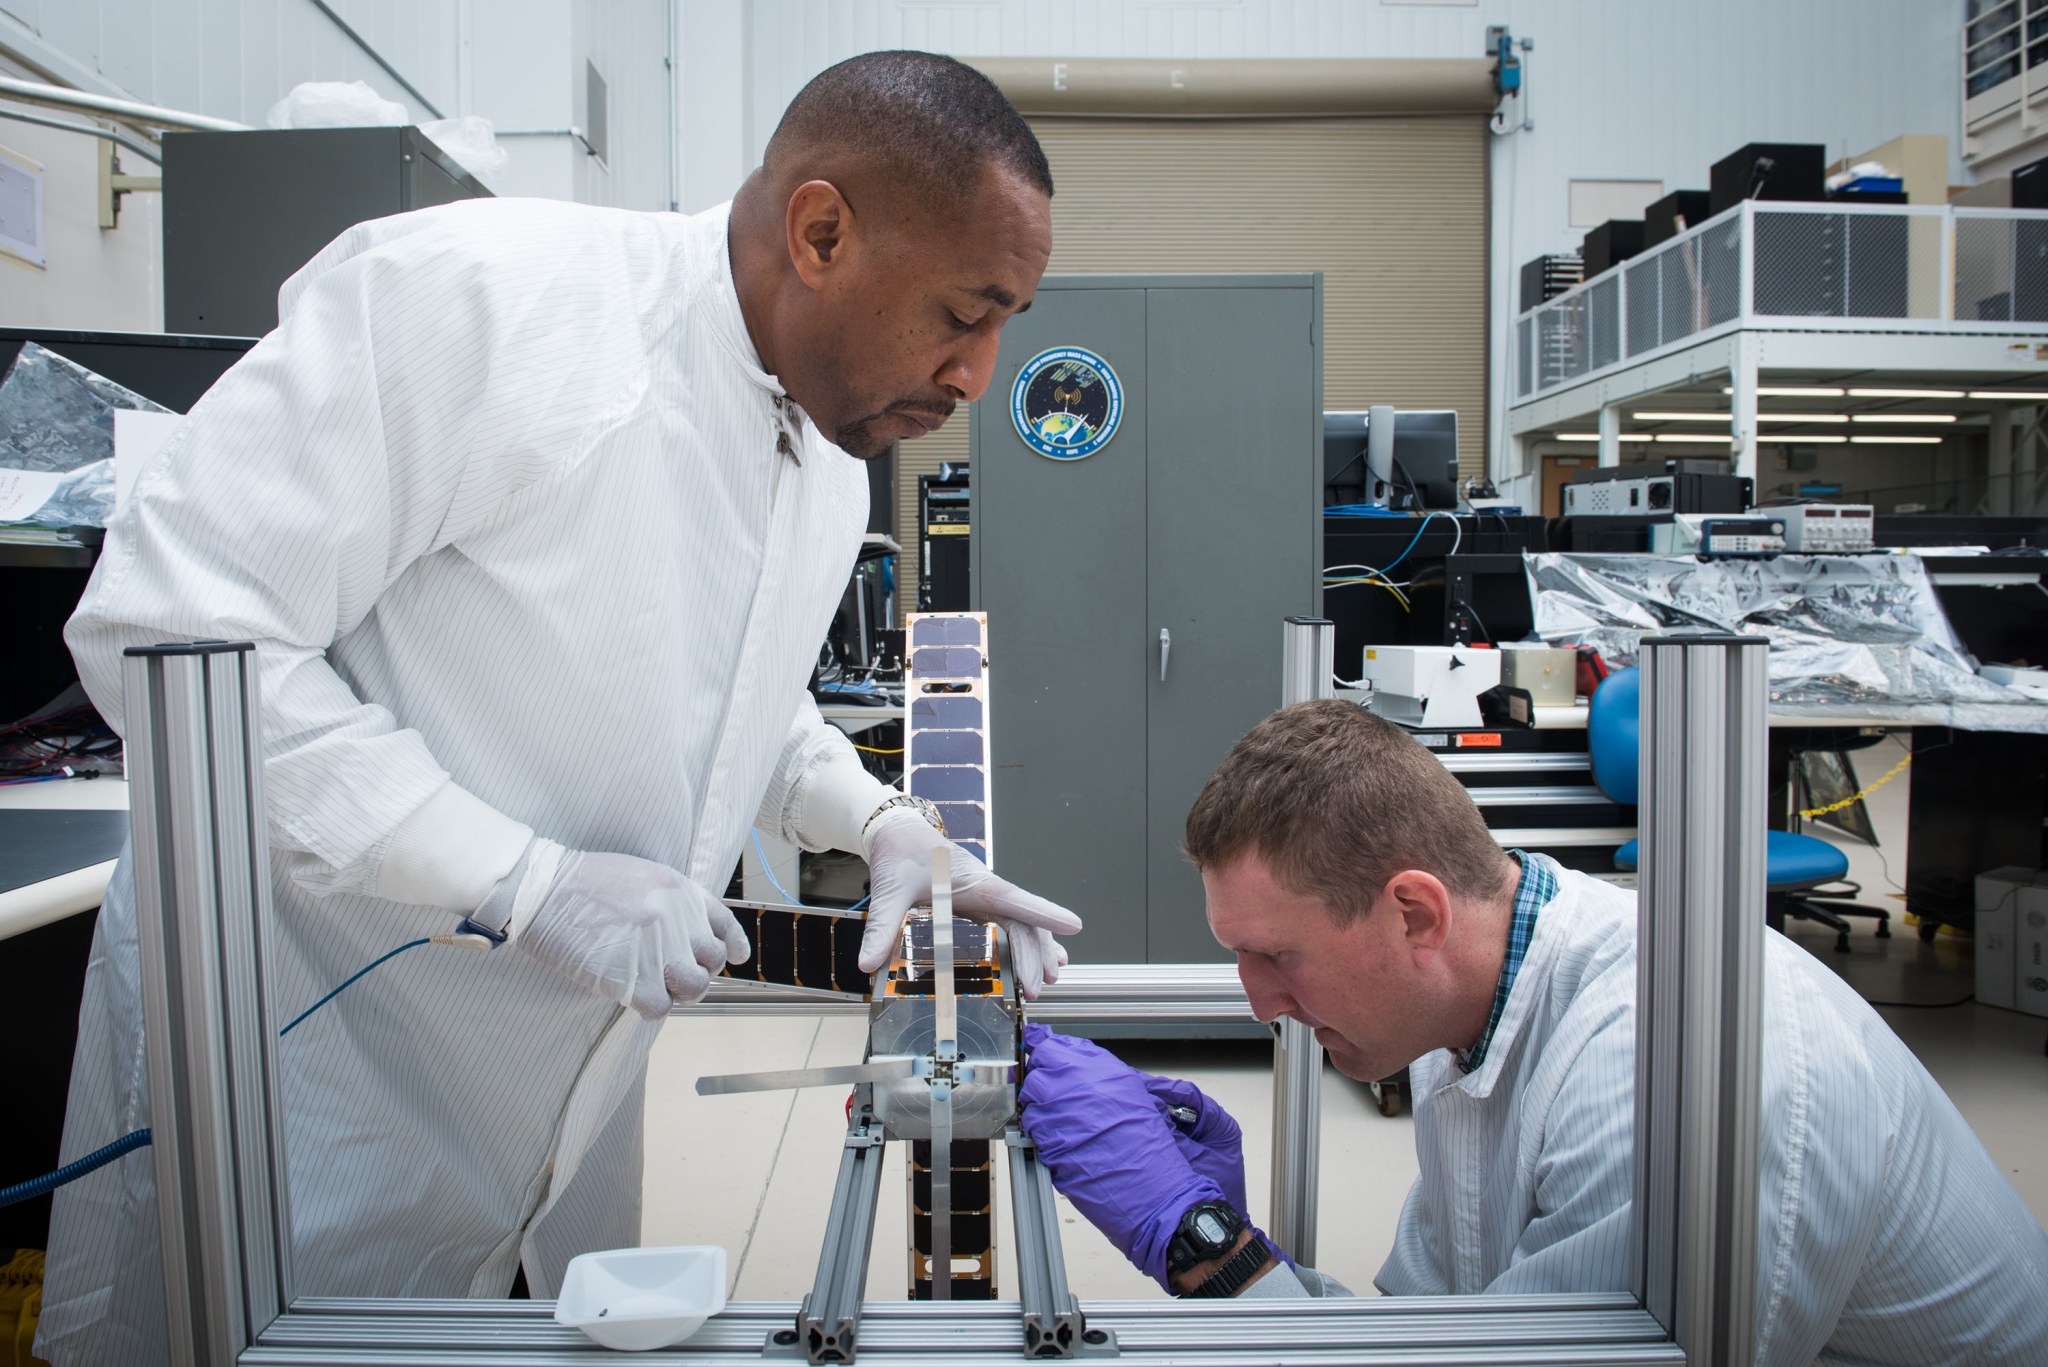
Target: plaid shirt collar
[(1538, 886)]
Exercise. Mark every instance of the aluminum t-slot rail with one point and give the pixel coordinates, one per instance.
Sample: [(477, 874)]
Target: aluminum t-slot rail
[(828, 1322)]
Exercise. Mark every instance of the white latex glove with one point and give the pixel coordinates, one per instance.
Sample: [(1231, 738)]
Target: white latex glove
[(632, 931), (899, 849)]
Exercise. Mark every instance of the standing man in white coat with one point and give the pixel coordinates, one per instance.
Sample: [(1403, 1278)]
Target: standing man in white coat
[(537, 514), (1362, 894)]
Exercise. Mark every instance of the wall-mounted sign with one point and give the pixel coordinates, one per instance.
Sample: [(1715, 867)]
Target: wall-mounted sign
[(1067, 403)]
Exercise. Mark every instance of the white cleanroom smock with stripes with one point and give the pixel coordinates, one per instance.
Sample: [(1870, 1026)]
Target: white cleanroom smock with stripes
[(1888, 1235), (507, 498)]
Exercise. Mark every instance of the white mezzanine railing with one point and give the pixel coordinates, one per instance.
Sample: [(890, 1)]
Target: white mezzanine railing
[(1794, 267)]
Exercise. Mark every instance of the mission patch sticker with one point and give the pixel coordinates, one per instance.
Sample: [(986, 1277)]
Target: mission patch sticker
[(1066, 403)]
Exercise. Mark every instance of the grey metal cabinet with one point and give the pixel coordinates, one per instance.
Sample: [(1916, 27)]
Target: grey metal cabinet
[(243, 211), (1135, 595)]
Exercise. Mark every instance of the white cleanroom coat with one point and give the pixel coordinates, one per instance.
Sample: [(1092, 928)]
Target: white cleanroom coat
[(507, 497), (1888, 1234)]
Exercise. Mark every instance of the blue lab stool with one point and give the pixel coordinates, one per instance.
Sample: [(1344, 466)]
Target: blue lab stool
[(1793, 863)]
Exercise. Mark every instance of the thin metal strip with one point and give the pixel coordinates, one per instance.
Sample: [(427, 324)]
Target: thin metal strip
[(945, 1051)]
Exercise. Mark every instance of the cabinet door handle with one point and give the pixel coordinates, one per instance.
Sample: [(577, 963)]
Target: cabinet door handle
[(1165, 650)]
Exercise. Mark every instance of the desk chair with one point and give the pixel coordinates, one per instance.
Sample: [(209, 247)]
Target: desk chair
[(1793, 863)]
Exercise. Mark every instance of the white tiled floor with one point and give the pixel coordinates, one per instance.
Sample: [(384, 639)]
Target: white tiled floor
[(755, 1173)]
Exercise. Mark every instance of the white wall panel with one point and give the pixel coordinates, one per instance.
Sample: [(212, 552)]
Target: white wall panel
[(93, 279), (233, 59)]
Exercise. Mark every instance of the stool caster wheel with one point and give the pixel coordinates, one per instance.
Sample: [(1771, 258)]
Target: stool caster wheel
[(1929, 929), (1842, 943)]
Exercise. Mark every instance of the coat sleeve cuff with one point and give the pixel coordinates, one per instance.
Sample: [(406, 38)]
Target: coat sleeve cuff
[(451, 852), (834, 801)]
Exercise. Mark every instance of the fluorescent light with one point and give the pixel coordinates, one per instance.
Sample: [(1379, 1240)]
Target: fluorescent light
[(1802, 417), (1905, 417), (1791, 392), (1595, 436), (1894, 441), (1692, 439), (1685, 417), (1905, 393), (2031, 395), (1779, 439)]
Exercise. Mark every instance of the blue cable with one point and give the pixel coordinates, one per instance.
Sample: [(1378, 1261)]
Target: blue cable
[(71, 1172), (410, 944), (762, 855), (1416, 542)]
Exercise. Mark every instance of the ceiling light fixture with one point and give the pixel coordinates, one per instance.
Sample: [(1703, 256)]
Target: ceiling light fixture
[(1905, 393), (1905, 417), (1695, 439), (1685, 417), (1895, 441), (1595, 436), (1781, 440), (2021, 395), (1791, 391), (1802, 417)]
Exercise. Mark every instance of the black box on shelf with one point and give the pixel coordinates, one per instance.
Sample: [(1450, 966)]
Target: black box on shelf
[(1768, 170), (1547, 277), (1612, 243), (1661, 220)]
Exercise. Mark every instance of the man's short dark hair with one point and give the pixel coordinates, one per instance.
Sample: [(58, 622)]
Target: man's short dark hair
[(1337, 801), (930, 123)]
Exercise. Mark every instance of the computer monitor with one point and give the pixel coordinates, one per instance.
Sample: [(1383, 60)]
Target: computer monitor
[(1425, 460)]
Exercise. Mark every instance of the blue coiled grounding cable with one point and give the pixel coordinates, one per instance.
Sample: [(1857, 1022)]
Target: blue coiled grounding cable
[(50, 1181)]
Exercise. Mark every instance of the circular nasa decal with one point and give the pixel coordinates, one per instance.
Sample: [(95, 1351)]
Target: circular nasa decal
[(1066, 403)]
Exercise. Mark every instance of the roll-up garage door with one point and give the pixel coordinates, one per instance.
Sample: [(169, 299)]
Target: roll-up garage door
[(1391, 209)]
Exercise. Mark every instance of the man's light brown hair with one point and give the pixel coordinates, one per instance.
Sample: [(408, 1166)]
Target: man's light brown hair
[(1337, 801)]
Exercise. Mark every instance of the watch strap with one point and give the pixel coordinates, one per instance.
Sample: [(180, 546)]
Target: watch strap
[(922, 806), (1230, 1278)]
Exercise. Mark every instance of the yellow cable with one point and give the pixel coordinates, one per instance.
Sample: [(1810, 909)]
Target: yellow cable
[(1890, 774), (872, 750), (1376, 583)]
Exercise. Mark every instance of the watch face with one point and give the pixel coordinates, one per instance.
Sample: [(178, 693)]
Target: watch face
[(1210, 1227)]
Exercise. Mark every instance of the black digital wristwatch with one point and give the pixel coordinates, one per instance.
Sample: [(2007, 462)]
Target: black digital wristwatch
[(1207, 1232)]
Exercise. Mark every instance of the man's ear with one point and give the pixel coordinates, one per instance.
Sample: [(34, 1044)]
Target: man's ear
[(1424, 906), (819, 226)]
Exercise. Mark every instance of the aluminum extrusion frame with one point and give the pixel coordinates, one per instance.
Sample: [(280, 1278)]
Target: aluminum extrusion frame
[(1307, 672), (202, 908), (1699, 983), (1677, 1211)]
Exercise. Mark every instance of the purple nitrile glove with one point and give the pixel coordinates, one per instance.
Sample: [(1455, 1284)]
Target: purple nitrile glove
[(1211, 1142), (1110, 1146), (1206, 1135)]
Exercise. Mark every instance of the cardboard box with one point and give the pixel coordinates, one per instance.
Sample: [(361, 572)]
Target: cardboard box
[(1997, 925), (2030, 947)]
